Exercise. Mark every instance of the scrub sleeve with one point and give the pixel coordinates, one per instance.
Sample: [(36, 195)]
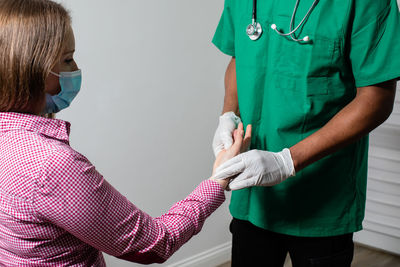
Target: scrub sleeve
[(224, 39), (287, 91), (375, 42)]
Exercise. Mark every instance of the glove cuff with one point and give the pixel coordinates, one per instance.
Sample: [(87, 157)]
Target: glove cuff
[(231, 115), (289, 165)]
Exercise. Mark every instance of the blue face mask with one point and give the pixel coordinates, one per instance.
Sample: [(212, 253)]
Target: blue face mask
[(70, 83)]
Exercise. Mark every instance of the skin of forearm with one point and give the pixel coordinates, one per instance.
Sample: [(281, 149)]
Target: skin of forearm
[(231, 97), (371, 107)]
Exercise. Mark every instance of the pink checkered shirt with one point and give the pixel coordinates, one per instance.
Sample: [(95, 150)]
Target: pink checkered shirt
[(57, 210)]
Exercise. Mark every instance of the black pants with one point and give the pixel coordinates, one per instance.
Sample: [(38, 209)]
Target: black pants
[(254, 246)]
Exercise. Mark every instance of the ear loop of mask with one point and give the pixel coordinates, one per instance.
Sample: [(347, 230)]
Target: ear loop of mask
[(58, 75)]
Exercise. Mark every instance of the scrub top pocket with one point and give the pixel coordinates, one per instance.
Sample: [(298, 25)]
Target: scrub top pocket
[(308, 64)]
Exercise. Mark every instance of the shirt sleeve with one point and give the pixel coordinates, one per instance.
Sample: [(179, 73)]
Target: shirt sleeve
[(375, 41), (224, 37), (74, 196)]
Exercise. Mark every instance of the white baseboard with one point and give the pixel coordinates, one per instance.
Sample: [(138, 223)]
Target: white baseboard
[(209, 258), (378, 240)]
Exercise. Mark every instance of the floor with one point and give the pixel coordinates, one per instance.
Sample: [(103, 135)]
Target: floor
[(363, 257)]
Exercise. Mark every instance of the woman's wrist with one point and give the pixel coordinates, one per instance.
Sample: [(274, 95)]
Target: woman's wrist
[(222, 182)]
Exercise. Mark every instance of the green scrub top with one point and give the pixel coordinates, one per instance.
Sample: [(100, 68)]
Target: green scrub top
[(289, 90)]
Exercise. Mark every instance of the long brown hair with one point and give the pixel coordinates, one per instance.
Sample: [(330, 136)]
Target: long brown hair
[(32, 33)]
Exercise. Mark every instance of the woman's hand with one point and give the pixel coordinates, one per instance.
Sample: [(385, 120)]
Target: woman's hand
[(240, 145)]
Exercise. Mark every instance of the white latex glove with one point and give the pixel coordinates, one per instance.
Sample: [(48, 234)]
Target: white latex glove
[(257, 168), (228, 122)]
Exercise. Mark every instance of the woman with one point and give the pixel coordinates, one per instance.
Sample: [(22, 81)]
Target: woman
[(55, 208)]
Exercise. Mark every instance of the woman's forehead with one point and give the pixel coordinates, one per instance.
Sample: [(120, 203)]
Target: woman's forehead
[(69, 45)]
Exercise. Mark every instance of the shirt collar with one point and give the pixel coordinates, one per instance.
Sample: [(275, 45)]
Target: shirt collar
[(52, 128)]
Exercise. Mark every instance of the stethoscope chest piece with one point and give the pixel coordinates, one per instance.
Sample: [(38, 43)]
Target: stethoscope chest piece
[(254, 31)]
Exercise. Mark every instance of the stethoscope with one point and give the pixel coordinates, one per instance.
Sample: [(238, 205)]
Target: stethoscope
[(254, 30)]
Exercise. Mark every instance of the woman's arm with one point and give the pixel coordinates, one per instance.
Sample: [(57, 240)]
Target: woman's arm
[(74, 196)]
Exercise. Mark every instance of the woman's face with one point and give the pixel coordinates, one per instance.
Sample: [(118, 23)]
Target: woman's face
[(66, 64)]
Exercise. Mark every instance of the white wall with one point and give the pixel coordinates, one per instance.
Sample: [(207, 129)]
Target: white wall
[(152, 92)]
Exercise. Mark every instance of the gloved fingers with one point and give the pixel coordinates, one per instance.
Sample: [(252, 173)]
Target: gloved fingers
[(227, 164), (221, 137), (230, 179), (236, 141), (243, 180), (217, 144), (226, 139), (227, 173), (234, 167), (227, 124)]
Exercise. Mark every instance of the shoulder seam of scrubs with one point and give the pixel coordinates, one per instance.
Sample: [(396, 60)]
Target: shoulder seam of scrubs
[(384, 11)]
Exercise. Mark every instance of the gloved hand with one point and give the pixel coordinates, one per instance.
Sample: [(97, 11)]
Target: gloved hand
[(228, 122), (239, 145), (257, 168)]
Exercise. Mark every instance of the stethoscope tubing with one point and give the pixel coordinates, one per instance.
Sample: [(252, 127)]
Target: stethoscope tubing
[(254, 16), (292, 19), (274, 27)]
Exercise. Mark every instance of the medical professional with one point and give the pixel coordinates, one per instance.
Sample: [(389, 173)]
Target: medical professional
[(56, 209), (313, 78)]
